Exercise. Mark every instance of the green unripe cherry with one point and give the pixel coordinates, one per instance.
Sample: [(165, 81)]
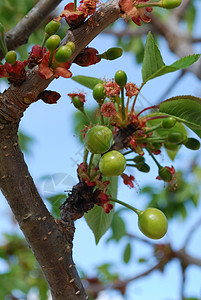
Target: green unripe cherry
[(98, 139), (175, 137), (53, 42), (142, 167), (11, 57), (165, 174), (63, 54), (171, 147), (52, 27), (168, 122), (77, 103), (99, 93), (153, 223), (114, 53), (192, 143), (120, 78), (170, 3), (112, 163), (71, 45), (139, 159)]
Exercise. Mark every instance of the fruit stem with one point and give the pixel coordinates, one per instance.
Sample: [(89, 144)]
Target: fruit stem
[(130, 165), (159, 166), (153, 128), (90, 164), (46, 36), (85, 116), (101, 116), (51, 57), (122, 103), (150, 107), (75, 5), (3, 44), (137, 211), (86, 152), (128, 152)]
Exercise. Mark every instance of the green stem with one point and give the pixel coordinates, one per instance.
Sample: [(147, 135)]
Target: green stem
[(86, 116), (137, 211), (51, 57), (3, 44), (128, 152), (159, 166), (75, 5), (153, 128), (122, 103), (86, 152), (131, 165), (90, 164), (101, 116), (152, 140), (46, 36)]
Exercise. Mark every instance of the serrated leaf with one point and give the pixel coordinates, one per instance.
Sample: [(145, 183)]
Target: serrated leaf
[(182, 63), (87, 81), (97, 219), (186, 109), (153, 60), (127, 253)]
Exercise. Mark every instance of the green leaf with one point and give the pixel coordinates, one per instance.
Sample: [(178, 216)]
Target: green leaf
[(87, 81), (182, 63), (153, 60), (186, 109), (118, 227), (127, 253), (97, 219)]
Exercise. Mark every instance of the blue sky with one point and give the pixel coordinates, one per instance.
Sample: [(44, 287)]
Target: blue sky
[(55, 150)]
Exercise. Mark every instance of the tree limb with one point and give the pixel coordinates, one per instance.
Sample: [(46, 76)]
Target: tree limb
[(20, 33), (50, 240)]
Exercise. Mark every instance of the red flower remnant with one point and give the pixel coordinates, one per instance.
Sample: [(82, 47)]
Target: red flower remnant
[(172, 172), (112, 89), (73, 18), (108, 109), (87, 57), (88, 7), (130, 11), (128, 180), (47, 70), (3, 72), (16, 73), (80, 95), (35, 56), (103, 200), (131, 89), (49, 97)]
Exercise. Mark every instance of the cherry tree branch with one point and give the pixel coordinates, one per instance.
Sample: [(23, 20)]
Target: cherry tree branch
[(49, 239), (20, 33)]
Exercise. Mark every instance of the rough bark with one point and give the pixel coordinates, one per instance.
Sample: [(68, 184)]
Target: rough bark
[(49, 239)]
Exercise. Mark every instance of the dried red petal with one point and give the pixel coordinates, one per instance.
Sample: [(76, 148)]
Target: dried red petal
[(128, 180), (50, 97), (87, 57), (35, 56), (16, 72)]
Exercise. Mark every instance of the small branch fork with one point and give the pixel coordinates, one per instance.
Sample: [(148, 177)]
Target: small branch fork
[(49, 239), (181, 255)]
